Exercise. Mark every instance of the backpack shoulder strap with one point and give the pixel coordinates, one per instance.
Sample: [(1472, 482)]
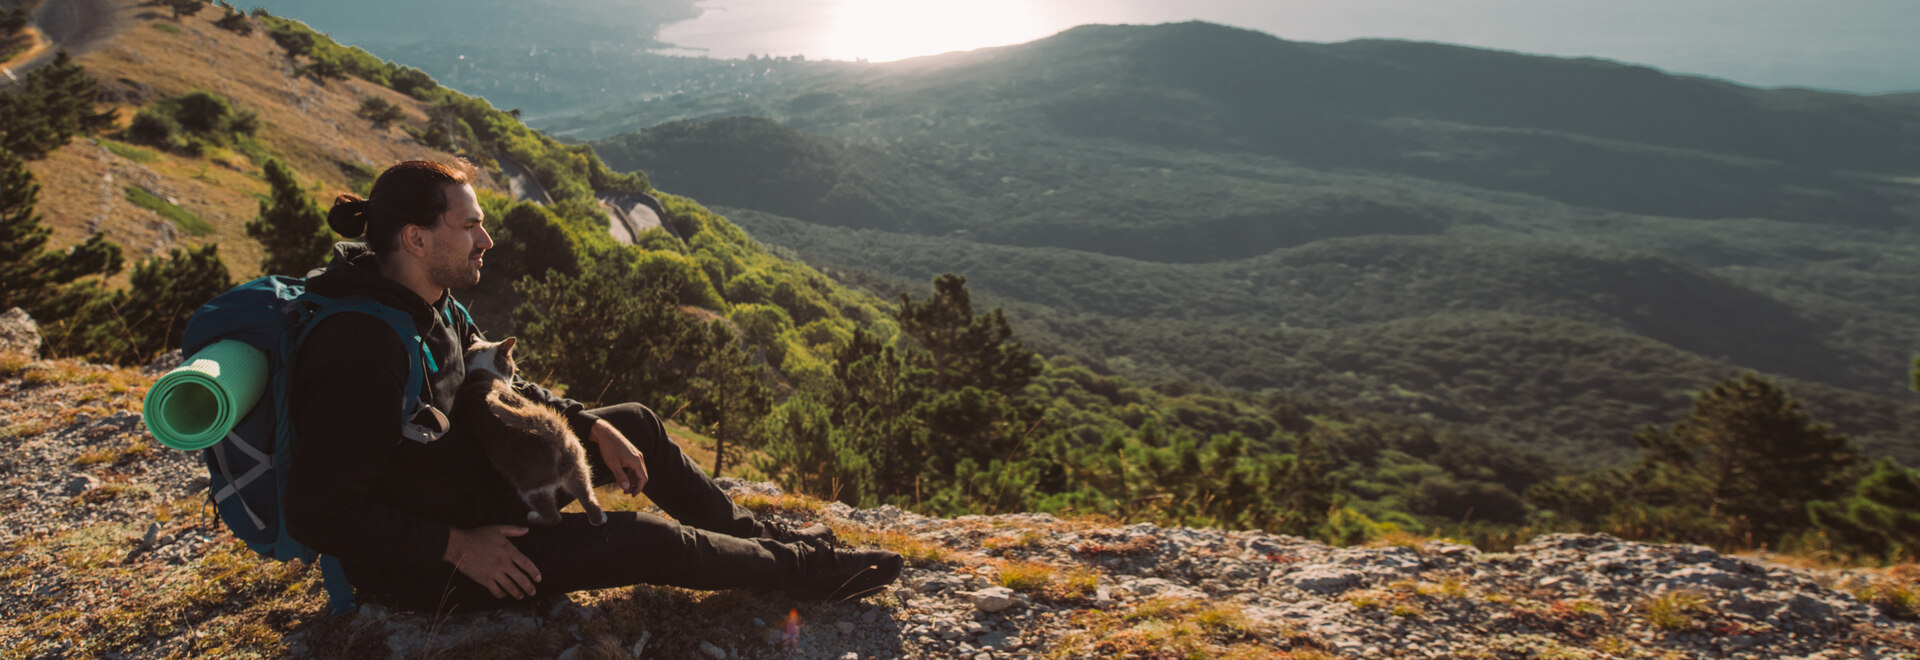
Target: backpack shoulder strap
[(418, 357)]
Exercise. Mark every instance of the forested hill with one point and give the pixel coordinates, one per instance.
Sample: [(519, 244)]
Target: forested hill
[(1201, 202), (1588, 132)]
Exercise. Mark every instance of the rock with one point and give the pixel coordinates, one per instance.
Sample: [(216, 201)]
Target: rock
[(166, 362), (937, 585), (992, 599), (845, 627), (850, 655), (641, 645), (80, 483), (1708, 577), (1808, 607), (123, 420), (1163, 588), (19, 334), (1327, 579), (712, 651), (572, 653)]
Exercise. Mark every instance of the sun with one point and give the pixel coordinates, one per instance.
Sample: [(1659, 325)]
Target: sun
[(882, 30)]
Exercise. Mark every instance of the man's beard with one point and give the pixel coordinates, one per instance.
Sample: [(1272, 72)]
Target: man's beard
[(460, 275)]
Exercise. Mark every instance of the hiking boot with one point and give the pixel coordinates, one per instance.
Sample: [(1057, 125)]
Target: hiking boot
[(847, 575), (815, 535)]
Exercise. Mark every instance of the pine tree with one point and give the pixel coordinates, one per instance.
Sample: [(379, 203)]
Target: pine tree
[(22, 237), (12, 21), (31, 276), (1307, 488), (185, 7), (1748, 458), (234, 21), (966, 350), (609, 331), (730, 394), (163, 293), (55, 103), (1882, 517), (289, 226)]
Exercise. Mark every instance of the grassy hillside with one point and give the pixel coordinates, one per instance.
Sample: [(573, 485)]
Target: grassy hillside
[(310, 125)]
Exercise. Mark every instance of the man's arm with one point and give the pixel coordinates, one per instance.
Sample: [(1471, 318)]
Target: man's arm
[(346, 402)]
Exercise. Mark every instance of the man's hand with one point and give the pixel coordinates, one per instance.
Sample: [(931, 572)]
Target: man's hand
[(485, 555), (629, 468)]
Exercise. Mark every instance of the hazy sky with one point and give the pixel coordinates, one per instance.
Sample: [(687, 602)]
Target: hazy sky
[(1854, 45)]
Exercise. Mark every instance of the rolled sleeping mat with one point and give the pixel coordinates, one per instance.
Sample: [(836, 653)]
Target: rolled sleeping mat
[(192, 407)]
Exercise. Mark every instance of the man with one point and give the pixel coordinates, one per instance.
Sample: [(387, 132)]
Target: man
[(417, 515)]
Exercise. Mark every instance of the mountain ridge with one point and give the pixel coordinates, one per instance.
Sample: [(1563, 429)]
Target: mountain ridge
[(1771, 255)]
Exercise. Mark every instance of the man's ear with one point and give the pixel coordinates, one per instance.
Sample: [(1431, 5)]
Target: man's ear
[(413, 239)]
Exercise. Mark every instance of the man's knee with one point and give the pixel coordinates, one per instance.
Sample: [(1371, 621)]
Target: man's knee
[(637, 422)]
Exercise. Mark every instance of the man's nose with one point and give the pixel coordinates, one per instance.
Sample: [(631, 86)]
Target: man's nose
[(485, 241)]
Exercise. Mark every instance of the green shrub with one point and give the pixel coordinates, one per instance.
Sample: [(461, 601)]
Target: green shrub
[(192, 122)]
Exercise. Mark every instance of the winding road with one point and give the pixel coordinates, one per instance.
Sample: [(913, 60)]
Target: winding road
[(76, 26)]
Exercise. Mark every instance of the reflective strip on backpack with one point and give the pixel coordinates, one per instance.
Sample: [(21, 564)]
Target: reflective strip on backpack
[(262, 463)]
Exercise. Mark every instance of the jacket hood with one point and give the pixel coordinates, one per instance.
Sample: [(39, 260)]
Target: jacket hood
[(355, 271)]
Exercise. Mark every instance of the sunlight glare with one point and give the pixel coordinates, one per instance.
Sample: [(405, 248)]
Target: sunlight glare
[(883, 30)]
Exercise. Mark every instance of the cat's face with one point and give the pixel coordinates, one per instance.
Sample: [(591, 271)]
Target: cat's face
[(491, 356)]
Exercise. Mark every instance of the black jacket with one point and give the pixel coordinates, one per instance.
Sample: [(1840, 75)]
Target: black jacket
[(356, 488)]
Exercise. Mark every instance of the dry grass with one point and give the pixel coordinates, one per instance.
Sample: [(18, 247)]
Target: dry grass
[(916, 551), (1674, 610), (1400, 539), (1895, 591), (121, 454), (1163, 628), (1366, 600), (800, 505), (13, 363), (118, 600), (1047, 581), (1023, 540)]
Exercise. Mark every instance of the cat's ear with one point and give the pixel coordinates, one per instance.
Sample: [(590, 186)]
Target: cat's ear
[(507, 345)]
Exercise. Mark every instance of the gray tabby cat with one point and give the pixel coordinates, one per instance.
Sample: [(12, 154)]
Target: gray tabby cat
[(530, 444)]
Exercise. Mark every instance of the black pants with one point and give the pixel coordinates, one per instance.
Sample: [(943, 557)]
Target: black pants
[(711, 546)]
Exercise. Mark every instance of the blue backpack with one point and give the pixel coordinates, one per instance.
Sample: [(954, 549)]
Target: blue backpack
[(247, 470)]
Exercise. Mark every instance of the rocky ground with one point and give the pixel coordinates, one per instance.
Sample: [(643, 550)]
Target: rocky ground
[(106, 550)]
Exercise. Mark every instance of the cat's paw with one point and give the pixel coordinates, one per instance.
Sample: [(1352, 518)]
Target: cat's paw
[(598, 518)]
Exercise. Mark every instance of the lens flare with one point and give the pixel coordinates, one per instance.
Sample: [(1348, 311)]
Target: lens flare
[(882, 30), (792, 641)]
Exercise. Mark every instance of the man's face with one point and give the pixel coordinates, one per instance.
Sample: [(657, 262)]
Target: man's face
[(457, 243)]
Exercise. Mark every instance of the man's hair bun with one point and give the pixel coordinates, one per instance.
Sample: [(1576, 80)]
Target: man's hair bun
[(348, 217)]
